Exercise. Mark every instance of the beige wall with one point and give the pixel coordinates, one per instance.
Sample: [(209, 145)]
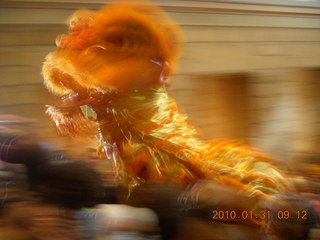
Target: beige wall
[(248, 70)]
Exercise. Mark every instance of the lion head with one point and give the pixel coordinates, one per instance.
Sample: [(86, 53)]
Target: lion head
[(118, 48)]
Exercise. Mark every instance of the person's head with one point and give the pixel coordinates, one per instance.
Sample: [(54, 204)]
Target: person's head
[(69, 184)]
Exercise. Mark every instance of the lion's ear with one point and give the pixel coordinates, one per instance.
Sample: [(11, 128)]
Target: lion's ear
[(79, 19), (165, 78)]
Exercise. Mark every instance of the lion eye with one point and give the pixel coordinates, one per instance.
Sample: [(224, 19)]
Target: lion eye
[(116, 40)]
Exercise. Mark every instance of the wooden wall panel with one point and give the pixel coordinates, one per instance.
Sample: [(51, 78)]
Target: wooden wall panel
[(24, 55), (30, 35), (33, 111), (217, 105), (32, 16), (45, 16), (248, 35), (20, 74), (218, 57), (20, 94)]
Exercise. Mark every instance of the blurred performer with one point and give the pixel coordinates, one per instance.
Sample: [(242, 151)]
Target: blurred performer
[(39, 195), (116, 62)]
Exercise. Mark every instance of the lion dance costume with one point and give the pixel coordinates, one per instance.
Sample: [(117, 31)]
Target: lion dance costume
[(117, 61)]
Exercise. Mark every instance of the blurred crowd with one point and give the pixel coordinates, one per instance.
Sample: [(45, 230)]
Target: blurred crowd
[(45, 195)]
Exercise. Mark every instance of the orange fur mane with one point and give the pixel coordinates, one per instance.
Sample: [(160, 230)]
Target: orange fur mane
[(106, 48)]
